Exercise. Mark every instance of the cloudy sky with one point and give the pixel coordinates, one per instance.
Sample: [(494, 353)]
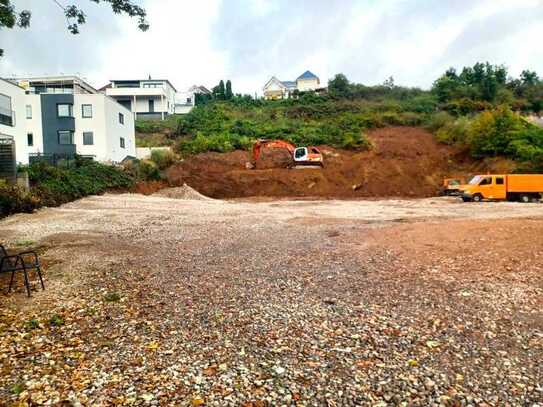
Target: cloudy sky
[(247, 41)]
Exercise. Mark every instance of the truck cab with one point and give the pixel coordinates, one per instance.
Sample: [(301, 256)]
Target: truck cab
[(485, 187)]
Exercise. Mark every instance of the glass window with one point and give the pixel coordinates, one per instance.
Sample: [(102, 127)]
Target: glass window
[(6, 115), (121, 118), (65, 137), (122, 142), (86, 111), (65, 110), (300, 152), (475, 180), (499, 181), (30, 139), (88, 138), (29, 111), (486, 181)]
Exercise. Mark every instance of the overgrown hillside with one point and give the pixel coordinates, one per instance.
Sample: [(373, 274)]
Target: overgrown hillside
[(479, 110)]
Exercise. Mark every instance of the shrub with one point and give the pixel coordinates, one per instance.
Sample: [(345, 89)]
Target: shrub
[(162, 158), (55, 186), (14, 199), (454, 132)]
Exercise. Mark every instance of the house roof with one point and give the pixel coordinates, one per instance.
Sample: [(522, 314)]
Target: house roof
[(308, 75), (289, 84)]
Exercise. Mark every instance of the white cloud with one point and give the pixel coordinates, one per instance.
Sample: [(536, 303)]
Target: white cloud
[(247, 41)]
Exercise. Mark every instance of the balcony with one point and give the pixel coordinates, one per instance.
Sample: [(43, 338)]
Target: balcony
[(131, 92), (7, 117)]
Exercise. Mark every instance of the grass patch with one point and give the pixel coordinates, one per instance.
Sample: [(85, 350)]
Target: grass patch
[(112, 297)]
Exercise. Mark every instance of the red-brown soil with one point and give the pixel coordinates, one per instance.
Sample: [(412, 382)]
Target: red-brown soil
[(404, 162)]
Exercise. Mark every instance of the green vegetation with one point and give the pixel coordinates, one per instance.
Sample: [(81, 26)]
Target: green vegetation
[(56, 320), (54, 186), (112, 297), (478, 109)]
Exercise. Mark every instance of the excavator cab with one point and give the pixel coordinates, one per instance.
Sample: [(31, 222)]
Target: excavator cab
[(300, 154)]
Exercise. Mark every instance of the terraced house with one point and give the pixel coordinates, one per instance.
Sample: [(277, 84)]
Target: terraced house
[(59, 117), (276, 89)]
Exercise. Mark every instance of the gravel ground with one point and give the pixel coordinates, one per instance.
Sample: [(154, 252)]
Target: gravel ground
[(158, 301)]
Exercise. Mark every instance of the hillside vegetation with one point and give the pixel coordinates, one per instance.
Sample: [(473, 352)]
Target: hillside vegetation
[(479, 109)]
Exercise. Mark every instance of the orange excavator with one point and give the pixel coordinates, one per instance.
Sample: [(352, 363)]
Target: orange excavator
[(301, 156)]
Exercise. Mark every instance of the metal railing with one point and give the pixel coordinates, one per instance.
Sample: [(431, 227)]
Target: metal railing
[(59, 160)]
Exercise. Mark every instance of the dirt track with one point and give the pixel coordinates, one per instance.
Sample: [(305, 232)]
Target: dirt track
[(286, 303), (404, 162)]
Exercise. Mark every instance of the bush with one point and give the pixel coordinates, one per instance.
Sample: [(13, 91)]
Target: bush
[(55, 186), (162, 158), (14, 199), (454, 132)]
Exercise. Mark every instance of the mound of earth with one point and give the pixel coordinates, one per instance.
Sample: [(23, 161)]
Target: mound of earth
[(182, 192), (404, 162)]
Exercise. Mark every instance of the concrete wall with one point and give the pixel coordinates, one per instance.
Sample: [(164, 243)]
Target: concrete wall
[(17, 131), (115, 130), (34, 125)]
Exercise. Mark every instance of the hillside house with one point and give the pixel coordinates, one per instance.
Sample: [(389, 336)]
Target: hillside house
[(276, 89)]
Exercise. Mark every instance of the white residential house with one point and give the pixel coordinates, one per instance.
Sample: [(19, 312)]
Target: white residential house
[(146, 98), (63, 116), (12, 128), (276, 89)]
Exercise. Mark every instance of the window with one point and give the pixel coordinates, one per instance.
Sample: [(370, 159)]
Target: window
[(189, 101), (29, 111), (6, 114), (121, 118), (122, 142), (499, 180), (88, 138), (486, 181), (151, 105), (86, 111), (300, 152), (30, 139), (65, 137), (65, 110)]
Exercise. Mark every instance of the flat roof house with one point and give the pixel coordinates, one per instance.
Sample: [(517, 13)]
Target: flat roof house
[(63, 116), (145, 98)]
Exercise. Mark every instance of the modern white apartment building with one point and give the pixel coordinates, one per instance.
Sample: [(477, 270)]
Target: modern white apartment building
[(150, 98), (64, 116)]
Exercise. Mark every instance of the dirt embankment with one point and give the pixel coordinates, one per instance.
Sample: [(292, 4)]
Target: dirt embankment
[(404, 162)]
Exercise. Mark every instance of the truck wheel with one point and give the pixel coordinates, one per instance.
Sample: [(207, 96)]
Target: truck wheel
[(525, 198), (477, 198)]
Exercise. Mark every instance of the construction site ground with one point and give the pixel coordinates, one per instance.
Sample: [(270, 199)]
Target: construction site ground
[(402, 162), (175, 299)]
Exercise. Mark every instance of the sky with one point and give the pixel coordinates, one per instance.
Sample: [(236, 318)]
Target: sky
[(248, 41)]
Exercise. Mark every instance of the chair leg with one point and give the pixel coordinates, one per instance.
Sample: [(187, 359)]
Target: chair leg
[(39, 275), (11, 281), (27, 283)]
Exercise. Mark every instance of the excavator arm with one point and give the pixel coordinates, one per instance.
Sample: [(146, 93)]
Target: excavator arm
[(260, 144)]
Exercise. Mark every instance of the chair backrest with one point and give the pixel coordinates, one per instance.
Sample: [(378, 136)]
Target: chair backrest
[(3, 252)]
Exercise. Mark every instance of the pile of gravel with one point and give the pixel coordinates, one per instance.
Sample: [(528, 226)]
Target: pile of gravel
[(183, 192)]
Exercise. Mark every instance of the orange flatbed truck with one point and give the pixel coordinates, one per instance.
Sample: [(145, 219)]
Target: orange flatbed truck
[(510, 187)]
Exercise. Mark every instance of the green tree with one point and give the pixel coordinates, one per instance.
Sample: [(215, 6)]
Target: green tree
[(339, 85), (75, 16), (228, 90)]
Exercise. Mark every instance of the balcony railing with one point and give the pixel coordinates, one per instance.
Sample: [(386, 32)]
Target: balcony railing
[(7, 117)]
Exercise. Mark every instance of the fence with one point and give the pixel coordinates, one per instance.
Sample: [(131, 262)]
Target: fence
[(8, 163), (59, 160)]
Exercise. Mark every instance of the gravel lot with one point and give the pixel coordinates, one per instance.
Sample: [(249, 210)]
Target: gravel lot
[(160, 301)]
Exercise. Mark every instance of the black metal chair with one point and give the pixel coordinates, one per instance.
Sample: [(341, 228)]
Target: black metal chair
[(24, 261)]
